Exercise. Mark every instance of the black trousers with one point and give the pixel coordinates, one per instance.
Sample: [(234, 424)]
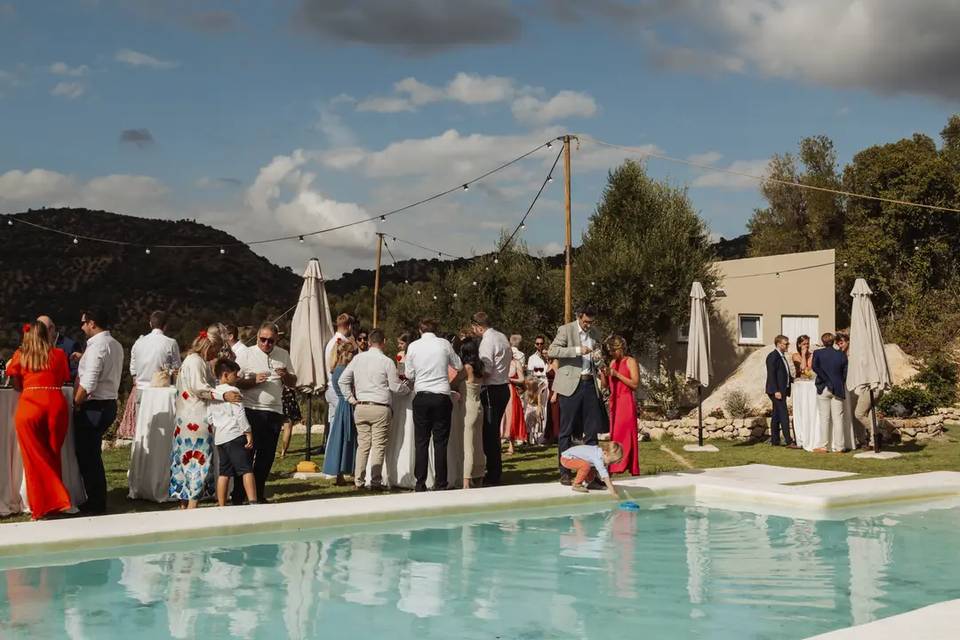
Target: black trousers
[(779, 421), (580, 412), (265, 427), (432, 413), (93, 419), (494, 399)]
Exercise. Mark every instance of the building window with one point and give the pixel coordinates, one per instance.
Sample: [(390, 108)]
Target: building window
[(750, 327), (683, 333)]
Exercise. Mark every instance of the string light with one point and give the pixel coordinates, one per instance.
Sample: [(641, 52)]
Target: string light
[(550, 178), (10, 221), (76, 240), (222, 251), (474, 283), (418, 291), (383, 218), (466, 187), (301, 239), (434, 297), (454, 294), (523, 225), (549, 144), (496, 261), (147, 251)]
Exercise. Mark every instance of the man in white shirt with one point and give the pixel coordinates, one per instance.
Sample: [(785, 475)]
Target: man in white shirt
[(233, 339), (427, 364), (367, 383), (153, 352), (496, 354), (343, 334), (95, 403), (264, 370)]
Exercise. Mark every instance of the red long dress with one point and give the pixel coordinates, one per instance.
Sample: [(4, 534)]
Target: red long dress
[(623, 420), (42, 419)]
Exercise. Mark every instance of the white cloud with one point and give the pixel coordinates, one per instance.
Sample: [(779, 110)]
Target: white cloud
[(731, 181), (566, 104), (138, 195), (529, 104), (707, 157), (63, 69), (138, 59), (68, 90)]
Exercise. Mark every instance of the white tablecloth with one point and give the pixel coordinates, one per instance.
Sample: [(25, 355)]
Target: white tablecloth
[(13, 488), (149, 475), (805, 418)]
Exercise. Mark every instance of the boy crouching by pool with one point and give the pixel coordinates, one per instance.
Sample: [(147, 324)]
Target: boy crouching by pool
[(231, 434), (590, 461)]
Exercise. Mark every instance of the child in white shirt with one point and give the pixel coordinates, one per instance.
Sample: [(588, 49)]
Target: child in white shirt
[(232, 435)]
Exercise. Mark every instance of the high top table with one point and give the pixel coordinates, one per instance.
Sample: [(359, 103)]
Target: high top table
[(13, 488), (149, 475)]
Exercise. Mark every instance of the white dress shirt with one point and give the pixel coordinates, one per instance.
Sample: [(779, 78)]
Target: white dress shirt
[(371, 377), (101, 367), (152, 353), (536, 361), (428, 361), (238, 348), (228, 418), (786, 363), (496, 354), (586, 341), (267, 396)]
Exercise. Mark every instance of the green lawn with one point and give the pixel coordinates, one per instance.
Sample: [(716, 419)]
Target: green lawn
[(538, 464)]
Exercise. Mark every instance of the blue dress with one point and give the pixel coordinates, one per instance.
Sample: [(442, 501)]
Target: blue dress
[(342, 443)]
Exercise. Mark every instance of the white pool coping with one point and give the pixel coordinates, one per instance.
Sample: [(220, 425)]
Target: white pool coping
[(935, 622)]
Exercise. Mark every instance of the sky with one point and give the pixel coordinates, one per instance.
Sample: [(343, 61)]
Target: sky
[(281, 117)]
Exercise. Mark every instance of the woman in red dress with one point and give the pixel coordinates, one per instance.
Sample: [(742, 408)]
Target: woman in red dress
[(623, 376), (39, 370)]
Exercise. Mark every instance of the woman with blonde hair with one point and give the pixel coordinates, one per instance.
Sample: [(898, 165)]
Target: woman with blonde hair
[(622, 376), (38, 371), (341, 445), (192, 472)]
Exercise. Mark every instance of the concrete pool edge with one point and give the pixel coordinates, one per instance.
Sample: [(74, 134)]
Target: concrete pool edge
[(933, 622), (746, 488)]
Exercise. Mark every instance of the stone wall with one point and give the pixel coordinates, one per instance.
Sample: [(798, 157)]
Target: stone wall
[(758, 429)]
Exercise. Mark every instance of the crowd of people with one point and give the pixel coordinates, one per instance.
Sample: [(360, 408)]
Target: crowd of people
[(234, 402), (825, 368)]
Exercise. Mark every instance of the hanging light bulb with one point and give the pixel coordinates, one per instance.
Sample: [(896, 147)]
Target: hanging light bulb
[(301, 239), (550, 178), (466, 187), (523, 225), (549, 144), (434, 297), (592, 283), (474, 283), (418, 291), (147, 251), (383, 218), (439, 255), (496, 261), (76, 240), (454, 294), (222, 251), (538, 277), (405, 281), (10, 221)]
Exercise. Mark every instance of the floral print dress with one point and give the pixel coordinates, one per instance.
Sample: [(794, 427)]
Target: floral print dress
[(192, 468)]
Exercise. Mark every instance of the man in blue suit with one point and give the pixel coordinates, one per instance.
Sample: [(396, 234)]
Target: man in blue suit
[(830, 365), (778, 388)]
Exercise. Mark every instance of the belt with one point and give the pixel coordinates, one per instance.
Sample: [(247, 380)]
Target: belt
[(586, 376), (375, 404), (41, 388)]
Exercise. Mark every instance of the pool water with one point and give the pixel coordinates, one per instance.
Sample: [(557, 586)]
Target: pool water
[(667, 572)]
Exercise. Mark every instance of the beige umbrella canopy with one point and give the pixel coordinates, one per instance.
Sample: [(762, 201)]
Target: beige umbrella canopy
[(311, 330), (699, 367), (867, 365)]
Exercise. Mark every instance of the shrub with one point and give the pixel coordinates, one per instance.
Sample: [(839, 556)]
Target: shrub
[(717, 413), (666, 391), (737, 404), (907, 402), (939, 376)]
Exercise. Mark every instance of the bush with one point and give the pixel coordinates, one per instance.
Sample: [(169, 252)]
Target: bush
[(939, 376), (666, 391), (737, 404), (717, 413), (907, 402)]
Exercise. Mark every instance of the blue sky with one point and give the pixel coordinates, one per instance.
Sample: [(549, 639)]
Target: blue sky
[(274, 118)]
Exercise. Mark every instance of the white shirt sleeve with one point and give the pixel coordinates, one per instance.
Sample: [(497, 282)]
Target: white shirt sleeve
[(92, 362), (487, 353), (453, 359), (393, 379), (346, 382), (133, 360)]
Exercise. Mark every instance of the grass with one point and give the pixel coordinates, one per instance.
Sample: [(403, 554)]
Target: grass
[(538, 464)]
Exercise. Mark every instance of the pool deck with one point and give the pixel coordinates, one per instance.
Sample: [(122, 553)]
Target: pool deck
[(936, 622)]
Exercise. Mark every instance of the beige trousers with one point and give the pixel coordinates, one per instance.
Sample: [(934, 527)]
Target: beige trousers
[(832, 419), (373, 430)]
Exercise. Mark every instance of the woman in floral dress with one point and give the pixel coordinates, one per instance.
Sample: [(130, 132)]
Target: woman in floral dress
[(192, 470)]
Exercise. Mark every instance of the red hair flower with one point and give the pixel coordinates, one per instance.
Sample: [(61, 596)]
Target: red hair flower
[(203, 334), (26, 328)]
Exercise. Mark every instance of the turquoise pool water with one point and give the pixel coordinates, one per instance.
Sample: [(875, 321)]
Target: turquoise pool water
[(667, 572)]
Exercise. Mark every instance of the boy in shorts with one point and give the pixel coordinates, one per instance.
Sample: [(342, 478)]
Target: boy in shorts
[(590, 461), (231, 434)]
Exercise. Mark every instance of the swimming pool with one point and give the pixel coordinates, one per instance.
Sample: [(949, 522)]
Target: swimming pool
[(667, 571)]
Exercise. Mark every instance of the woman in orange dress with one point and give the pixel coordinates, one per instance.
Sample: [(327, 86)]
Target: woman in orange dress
[(39, 370), (623, 378), (513, 427)]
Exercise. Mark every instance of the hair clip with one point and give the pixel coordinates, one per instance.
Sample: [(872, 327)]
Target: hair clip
[(26, 328), (203, 334)]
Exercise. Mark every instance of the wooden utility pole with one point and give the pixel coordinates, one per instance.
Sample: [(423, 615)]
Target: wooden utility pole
[(376, 281), (568, 247)]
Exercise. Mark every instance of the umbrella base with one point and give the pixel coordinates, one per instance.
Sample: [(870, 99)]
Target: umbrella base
[(707, 448), (307, 466), (873, 455)]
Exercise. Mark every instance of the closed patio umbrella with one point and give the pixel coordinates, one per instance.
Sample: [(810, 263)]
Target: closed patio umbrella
[(867, 364), (699, 367), (310, 331)]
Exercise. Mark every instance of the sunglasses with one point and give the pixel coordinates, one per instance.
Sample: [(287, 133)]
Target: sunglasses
[(267, 340), (538, 344)]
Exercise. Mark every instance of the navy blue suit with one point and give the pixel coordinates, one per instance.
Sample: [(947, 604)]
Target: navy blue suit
[(830, 365), (778, 381)]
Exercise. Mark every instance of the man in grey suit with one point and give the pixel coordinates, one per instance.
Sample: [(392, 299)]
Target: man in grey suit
[(580, 410)]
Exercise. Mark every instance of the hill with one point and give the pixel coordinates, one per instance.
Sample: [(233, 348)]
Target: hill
[(48, 273)]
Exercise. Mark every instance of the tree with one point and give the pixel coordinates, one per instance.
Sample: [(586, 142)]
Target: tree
[(644, 247), (799, 219)]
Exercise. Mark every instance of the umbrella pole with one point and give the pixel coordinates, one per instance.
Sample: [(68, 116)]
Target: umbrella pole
[(309, 425), (700, 414), (876, 430)]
